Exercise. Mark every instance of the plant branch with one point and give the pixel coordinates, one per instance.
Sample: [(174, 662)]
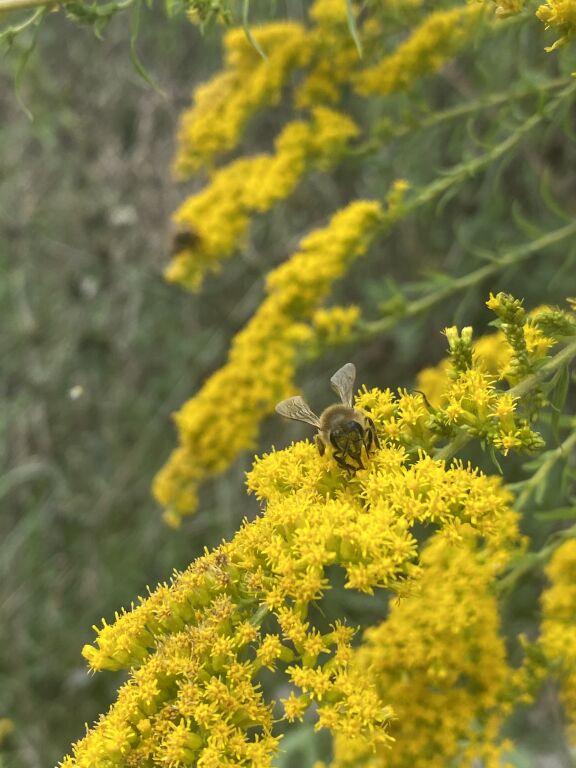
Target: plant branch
[(18, 5), (469, 168), (420, 306), (383, 131), (529, 384), (549, 460), (534, 560)]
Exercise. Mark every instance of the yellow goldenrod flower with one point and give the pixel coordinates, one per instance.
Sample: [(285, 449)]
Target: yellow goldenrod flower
[(440, 662), (512, 318), (432, 381), (468, 400), (295, 707), (494, 355), (334, 325), (506, 8), (438, 38), (328, 12), (466, 395), (334, 56), (222, 420), (220, 214), (560, 14), (223, 105), (6, 728), (558, 632), (471, 401), (397, 194), (195, 647)]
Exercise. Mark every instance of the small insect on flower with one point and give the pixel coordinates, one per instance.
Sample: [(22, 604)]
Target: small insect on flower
[(344, 428), (184, 239)]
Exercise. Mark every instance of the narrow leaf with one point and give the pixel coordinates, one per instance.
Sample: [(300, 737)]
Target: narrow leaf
[(248, 32), (558, 399), (561, 513), (492, 454), (352, 27), (136, 63), (35, 20)]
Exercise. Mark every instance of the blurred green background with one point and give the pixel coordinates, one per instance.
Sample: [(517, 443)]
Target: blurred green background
[(97, 350)]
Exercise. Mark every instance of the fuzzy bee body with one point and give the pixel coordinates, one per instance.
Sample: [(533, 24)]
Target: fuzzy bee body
[(341, 427)]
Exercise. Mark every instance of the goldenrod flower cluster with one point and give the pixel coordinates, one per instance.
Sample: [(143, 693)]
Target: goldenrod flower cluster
[(206, 11), (434, 42), (326, 56), (6, 728), (333, 58), (223, 418), (471, 403), (463, 391), (560, 14), (558, 629), (333, 325), (324, 52), (494, 355), (459, 395), (440, 661), (506, 8), (513, 321), (220, 214), (464, 396), (196, 646), (223, 105)]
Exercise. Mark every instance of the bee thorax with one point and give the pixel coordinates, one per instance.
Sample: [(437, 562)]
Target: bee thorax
[(338, 416)]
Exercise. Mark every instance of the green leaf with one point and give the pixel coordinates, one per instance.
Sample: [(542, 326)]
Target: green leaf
[(248, 32), (558, 398), (25, 58), (541, 489), (525, 225), (173, 8), (548, 199), (136, 63), (9, 34), (492, 454), (561, 513), (351, 19)]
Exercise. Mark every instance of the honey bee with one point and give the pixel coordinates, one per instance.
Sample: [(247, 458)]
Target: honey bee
[(184, 239), (342, 427)]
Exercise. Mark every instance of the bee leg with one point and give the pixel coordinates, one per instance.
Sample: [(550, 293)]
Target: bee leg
[(339, 459), (320, 445), (368, 439), (373, 433), (357, 456)]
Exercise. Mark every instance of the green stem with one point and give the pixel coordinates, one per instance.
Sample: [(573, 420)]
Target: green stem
[(534, 560), (259, 615), (551, 457), (382, 131), (520, 390), (470, 168), (18, 5), (420, 306), (530, 383)]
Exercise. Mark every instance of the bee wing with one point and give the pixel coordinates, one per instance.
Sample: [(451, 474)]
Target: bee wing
[(343, 383), (297, 408)]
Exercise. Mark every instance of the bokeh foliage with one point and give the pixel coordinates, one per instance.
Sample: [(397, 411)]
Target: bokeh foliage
[(85, 201)]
